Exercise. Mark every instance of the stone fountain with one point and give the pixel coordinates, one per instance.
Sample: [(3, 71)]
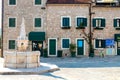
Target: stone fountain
[(22, 57)]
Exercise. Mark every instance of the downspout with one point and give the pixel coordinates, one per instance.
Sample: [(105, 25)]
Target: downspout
[(2, 28), (91, 51)]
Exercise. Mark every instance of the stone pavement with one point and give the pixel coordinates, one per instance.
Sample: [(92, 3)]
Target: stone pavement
[(83, 68), (44, 67)]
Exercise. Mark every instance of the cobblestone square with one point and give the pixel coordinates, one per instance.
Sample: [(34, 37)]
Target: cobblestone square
[(83, 68)]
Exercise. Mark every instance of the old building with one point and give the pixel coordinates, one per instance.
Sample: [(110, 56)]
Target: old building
[(66, 19), (55, 24), (34, 14)]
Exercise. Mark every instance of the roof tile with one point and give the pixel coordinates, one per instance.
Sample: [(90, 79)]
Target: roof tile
[(67, 1)]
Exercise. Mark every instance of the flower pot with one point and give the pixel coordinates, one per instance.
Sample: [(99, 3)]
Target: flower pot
[(45, 54), (59, 53), (73, 54)]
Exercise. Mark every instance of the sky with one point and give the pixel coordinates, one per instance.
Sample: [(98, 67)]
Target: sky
[(0, 12)]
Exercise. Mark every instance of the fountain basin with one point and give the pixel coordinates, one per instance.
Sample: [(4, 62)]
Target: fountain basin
[(15, 59)]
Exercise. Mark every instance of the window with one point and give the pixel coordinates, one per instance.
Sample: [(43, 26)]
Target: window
[(98, 23), (12, 2), (81, 22), (117, 23), (37, 22), (65, 22), (37, 2), (11, 44), (65, 43), (99, 43), (12, 22)]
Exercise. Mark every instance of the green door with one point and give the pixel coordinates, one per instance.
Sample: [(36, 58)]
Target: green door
[(52, 47), (118, 47), (80, 47)]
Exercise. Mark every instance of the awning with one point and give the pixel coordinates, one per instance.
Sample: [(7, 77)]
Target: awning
[(36, 36), (117, 37)]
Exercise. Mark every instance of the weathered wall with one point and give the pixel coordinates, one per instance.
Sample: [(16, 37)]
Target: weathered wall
[(26, 9), (54, 14)]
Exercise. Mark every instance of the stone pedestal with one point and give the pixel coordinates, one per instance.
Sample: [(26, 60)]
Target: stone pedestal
[(22, 59)]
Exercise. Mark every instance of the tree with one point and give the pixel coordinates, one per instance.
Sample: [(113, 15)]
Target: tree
[(88, 37)]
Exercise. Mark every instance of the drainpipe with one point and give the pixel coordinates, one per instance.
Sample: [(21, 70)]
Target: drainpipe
[(91, 52), (2, 28)]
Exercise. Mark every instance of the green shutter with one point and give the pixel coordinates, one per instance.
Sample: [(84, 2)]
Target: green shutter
[(11, 44), (65, 22), (12, 2), (115, 22), (97, 43), (37, 22), (12, 22), (85, 22), (68, 22), (37, 2), (81, 22), (78, 22), (103, 22), (94, 22), (102, 43), (65, 43)]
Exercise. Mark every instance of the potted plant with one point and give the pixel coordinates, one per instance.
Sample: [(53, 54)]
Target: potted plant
[(59, 53), (73, 50), (45, 54)]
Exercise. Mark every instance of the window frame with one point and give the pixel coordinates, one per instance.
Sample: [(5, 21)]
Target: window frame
[(101, 43), (34, 23), (37, 4), (15, 22), (10, 4), (99, 18), (62, 21), (9, 45), (62, 42), (76, 21), (117, 24)]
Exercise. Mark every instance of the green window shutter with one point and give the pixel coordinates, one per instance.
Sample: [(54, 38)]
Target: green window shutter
[(97, 43), (103, 22), (37, 2), (37, 22), (78, 22), (12, 22), (115, 22), (11, 44), (81, 22), (68, 21), (65, 43), (85, 22), (12, 2), (94, 22), (65, 22), (102, 43)]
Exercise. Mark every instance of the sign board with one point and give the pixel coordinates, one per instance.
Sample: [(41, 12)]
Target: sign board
[(109, 42)]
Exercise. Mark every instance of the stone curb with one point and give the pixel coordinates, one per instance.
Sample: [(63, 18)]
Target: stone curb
[(29, 73)]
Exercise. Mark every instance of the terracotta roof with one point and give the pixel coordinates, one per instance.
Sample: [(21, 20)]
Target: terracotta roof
[(67, 1)]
